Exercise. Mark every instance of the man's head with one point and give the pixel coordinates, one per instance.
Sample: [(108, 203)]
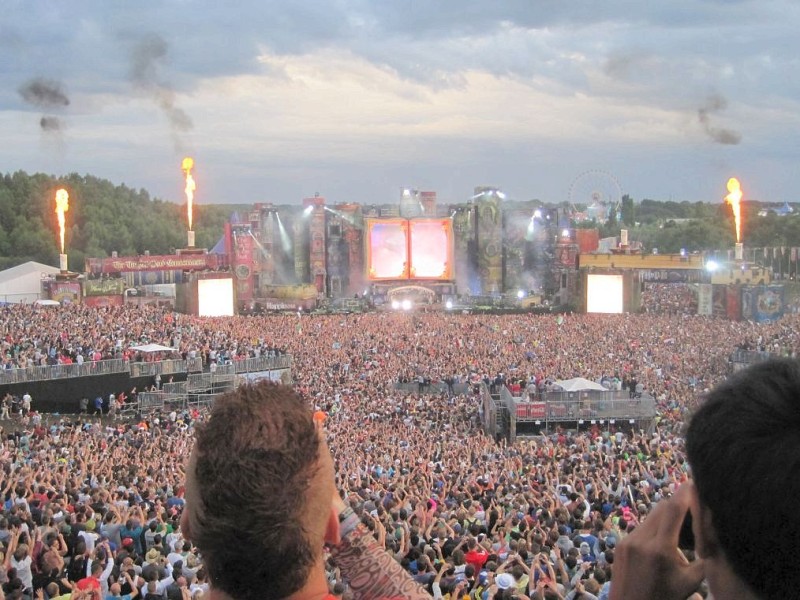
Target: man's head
[(744, 449), (259, 486)]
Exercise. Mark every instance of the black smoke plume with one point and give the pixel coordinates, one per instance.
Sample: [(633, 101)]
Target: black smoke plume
[(50, 123), (714, 104), (147, 58), (44, 93)]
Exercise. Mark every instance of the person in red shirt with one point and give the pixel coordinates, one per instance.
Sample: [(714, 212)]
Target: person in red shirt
[(476, 555)]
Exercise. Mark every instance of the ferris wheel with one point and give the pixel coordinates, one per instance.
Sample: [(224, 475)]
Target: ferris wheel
[(598, 190)]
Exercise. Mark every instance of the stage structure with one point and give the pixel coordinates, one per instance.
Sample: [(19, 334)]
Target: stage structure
[(489, 239), (168, 280), (400, 252), (487, 247)]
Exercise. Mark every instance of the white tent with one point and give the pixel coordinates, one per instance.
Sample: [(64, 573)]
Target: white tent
[(23, 283), (41, 302), (578, 384), (152, 348)]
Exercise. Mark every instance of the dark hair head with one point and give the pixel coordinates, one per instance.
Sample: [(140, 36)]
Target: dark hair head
[(260, 501), (743, 445)]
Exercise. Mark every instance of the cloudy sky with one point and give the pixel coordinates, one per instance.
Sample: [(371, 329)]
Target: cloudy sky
[(356, 99)]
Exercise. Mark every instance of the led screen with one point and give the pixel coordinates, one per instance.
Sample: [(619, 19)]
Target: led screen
[(431, 249), (215, 297), (604, 294), (387, 249)]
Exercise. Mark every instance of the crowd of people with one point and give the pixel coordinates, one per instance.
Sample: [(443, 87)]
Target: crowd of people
[(93, 507), (670, 298)]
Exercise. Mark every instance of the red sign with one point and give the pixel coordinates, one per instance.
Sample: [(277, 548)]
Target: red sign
[(531, 410), (185, 262), (103, 301), (537, 410)]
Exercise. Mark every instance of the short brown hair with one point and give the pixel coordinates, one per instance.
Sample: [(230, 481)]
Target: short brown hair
[(255, 460)]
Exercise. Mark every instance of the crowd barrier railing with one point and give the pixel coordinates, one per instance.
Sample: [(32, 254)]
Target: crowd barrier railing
[(555, 406), (159, 367), (192, 366), (49, 372)]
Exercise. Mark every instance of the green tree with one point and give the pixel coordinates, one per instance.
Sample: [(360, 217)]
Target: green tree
[(628, 211)]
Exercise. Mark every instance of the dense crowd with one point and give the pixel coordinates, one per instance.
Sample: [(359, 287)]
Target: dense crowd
[(93, 507), (670, 298)]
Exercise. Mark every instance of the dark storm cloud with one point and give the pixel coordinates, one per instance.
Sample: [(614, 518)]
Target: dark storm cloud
[(714, 104), (147, 59), (44, 93)]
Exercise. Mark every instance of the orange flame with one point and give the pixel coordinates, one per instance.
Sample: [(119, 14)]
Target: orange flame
[(734, 198), (187, 165), (62, 206)]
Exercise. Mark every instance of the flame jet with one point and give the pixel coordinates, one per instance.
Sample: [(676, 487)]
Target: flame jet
[(62, 206), (734, 198), (187, 165)]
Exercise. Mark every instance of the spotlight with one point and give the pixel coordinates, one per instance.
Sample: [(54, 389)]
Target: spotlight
[(565, 233), (537, 214), (711, 266), (406, 304), (308, 210), (396, 304), (448, 305), (520, 294)]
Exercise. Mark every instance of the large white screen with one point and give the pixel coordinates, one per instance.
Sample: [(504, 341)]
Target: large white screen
[(604, 294), (215, 297)]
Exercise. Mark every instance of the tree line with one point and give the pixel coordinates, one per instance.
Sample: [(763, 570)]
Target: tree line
[(702, 226), (102, 218)]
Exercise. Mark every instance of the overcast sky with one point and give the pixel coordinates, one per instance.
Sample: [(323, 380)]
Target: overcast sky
[(356, 99)]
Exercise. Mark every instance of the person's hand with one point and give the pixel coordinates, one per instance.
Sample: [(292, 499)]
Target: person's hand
[(648, 564)]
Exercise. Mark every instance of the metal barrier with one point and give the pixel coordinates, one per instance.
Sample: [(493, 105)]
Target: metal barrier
[(262, 363), (48, 372), (202, 382), (741, 359), (493, 415), (175, 387), (139, 369), (434, 387), (588, 406), (158, 367), (155, 401)]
